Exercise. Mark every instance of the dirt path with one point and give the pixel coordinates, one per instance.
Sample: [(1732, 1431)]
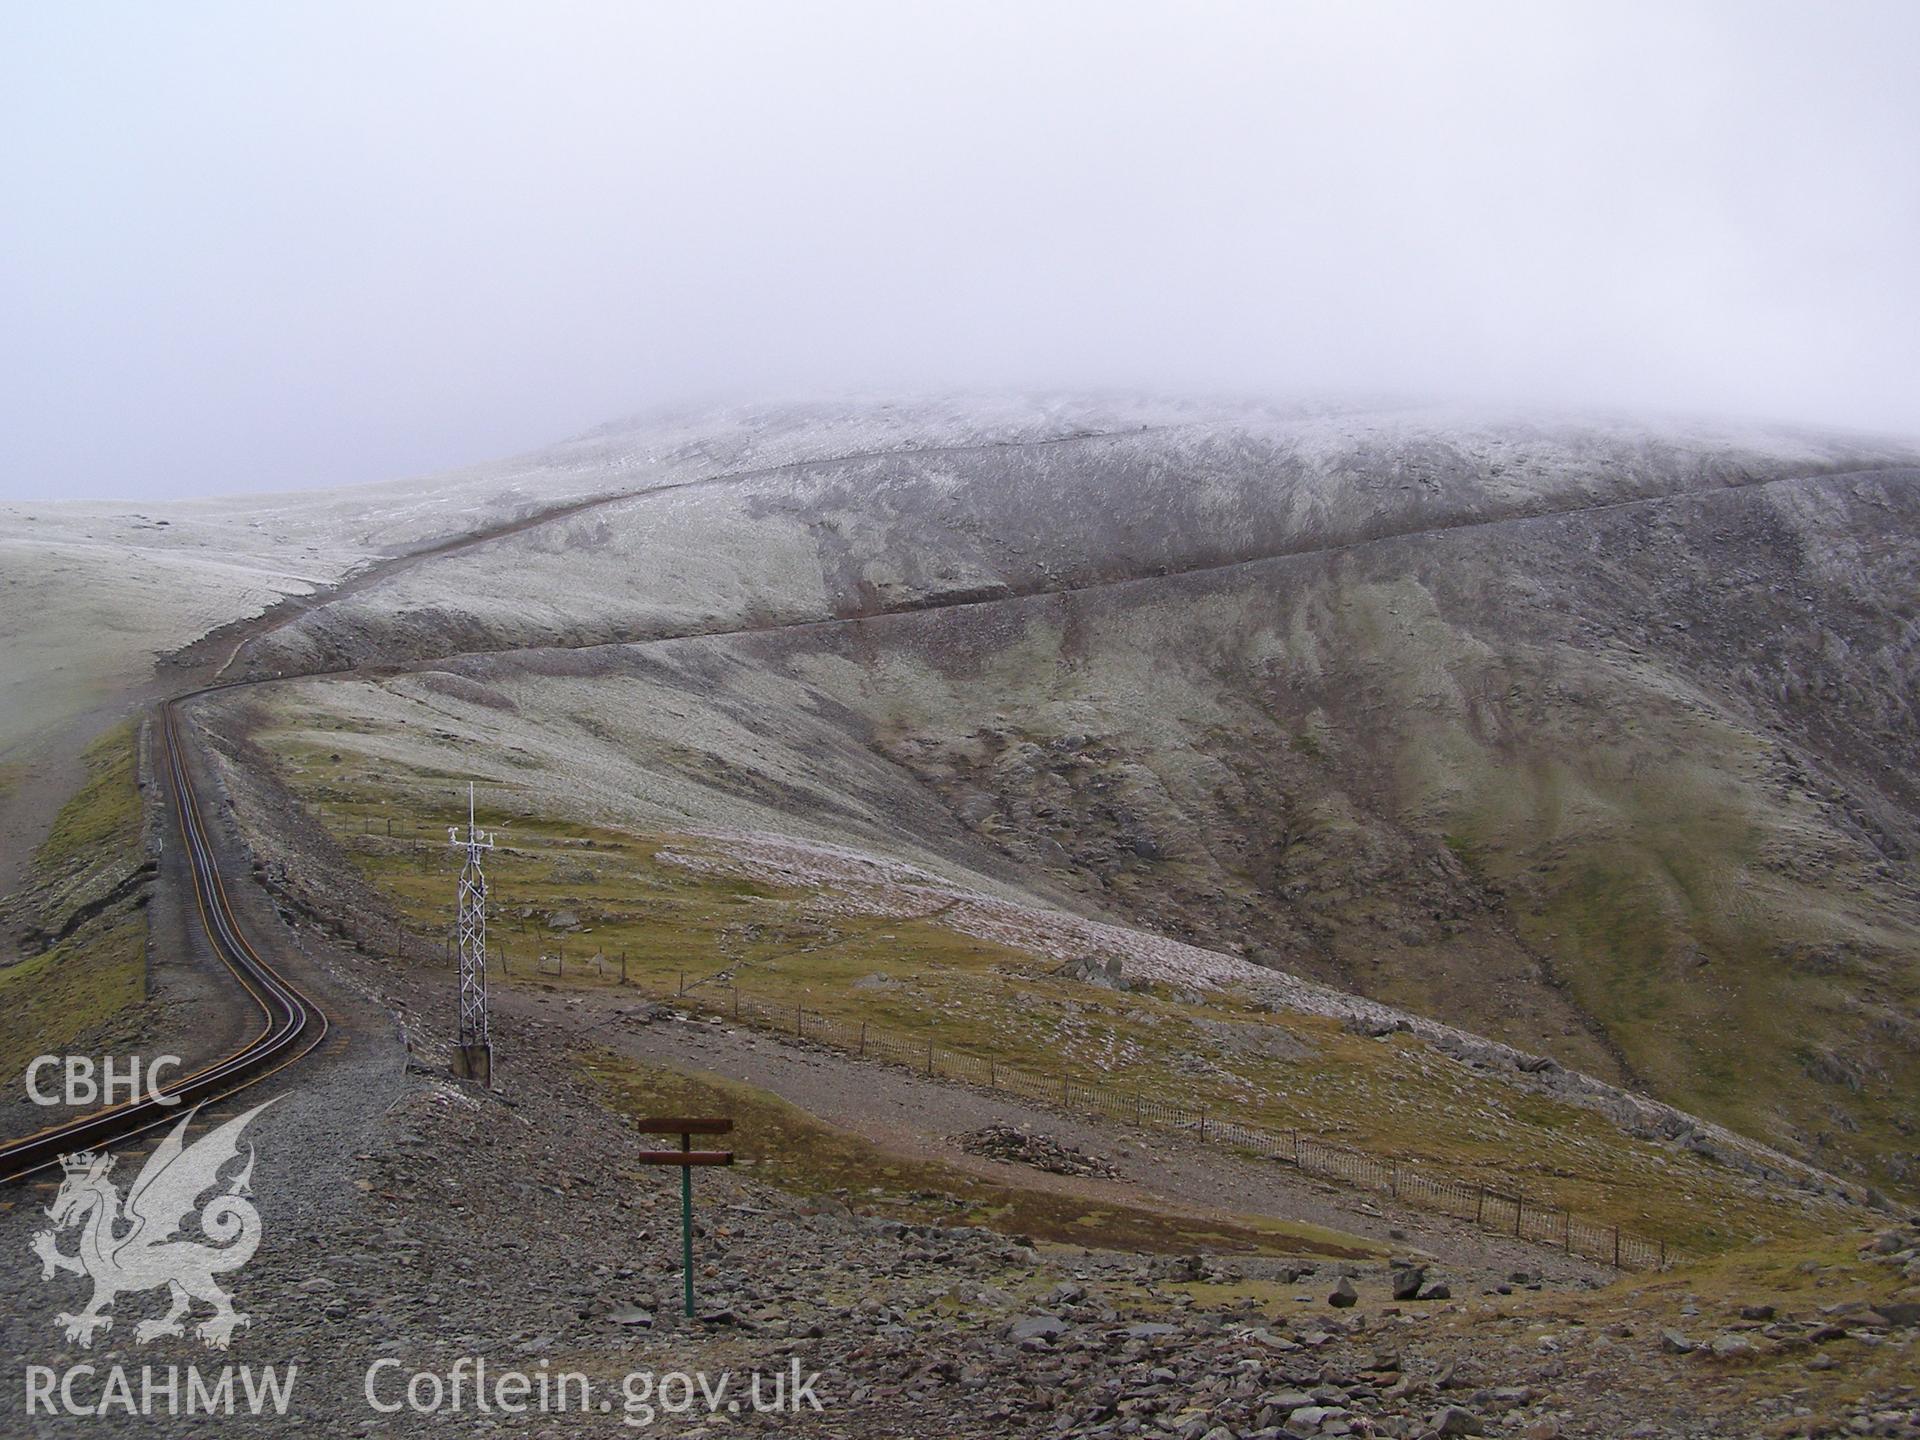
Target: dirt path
[(915, 1116)]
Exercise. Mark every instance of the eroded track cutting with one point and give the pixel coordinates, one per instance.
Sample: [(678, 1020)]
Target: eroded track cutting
[(291, 1024)]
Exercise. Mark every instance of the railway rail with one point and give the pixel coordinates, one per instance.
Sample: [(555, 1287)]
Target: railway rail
[(291, 1026)]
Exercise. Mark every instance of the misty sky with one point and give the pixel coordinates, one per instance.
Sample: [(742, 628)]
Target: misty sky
[(261, 246)]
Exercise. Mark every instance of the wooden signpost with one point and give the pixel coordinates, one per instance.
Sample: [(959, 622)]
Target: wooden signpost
[(686, 1157)]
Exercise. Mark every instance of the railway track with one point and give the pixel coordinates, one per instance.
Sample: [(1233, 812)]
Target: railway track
[(291, 1024)]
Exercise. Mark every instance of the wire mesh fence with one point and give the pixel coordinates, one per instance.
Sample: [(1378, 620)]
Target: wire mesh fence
[(1413, 1182)]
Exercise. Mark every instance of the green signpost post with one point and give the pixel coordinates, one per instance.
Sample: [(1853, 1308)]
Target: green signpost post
[(686, 1157)]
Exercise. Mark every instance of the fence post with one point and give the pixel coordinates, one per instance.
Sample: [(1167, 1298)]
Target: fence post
[(1519, 1209), (736, 1002), (1063, 1092), (799, 1021), (1393, 1178), (1294, 1131), (1616, 1247), (1480, 1208), (1663, 1254), (929, 1057), (1136, 1107), (863, 1029), (683, 984), (1203, 1122), (1569, 1230), (990, 1074)]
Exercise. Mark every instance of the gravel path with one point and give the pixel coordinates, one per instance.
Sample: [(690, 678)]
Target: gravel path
[(913, 1115)]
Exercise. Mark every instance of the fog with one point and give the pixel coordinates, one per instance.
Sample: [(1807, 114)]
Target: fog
[(266, 246)]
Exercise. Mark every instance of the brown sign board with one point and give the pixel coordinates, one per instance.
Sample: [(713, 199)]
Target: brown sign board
[(685, 1157), (684, 1124)]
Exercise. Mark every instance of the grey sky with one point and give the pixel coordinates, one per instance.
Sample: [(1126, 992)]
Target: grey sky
[(259, 246)]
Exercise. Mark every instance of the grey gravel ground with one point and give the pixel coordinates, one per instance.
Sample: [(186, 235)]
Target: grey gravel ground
[(438, 1224)]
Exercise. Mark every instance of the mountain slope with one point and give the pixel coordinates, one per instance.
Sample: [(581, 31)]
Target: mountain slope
[(1591, 735), (1596, 738)]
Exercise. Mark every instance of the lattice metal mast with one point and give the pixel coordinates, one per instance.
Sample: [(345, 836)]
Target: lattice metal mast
[(473, 1056)]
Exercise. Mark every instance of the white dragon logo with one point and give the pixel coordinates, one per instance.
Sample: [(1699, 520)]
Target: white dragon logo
[(140, 1248)]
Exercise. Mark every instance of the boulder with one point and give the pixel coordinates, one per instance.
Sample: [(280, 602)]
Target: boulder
[(1900, 1313), (1454, 1420), (1037, 1327), (1344, 1295)]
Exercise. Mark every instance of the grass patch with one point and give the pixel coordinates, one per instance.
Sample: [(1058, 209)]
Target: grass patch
[(102, 820), (1467, 853), (1643, 857), (919, 978), (1799, 1279), (51, 999)]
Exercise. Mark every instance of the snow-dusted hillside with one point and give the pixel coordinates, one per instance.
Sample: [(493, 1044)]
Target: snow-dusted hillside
[(1592, 735)]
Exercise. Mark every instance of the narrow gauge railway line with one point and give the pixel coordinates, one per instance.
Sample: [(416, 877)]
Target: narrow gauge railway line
[(291, 1024)]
